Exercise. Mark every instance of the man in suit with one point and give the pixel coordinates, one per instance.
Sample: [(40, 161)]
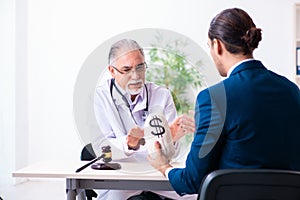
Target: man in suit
[(249, 120)]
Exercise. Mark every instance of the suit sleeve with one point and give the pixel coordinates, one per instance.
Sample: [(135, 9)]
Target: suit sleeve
[(205, 149)]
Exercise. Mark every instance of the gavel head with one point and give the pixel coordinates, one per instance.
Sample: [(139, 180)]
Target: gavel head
[(106, 151)]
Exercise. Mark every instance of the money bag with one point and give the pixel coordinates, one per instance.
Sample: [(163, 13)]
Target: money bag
[(157, 129)]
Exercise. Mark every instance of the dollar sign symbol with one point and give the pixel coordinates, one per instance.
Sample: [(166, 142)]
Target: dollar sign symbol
[(155, 122)]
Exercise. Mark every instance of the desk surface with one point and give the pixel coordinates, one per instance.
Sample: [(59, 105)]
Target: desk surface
[(66, 169), (131, 176)]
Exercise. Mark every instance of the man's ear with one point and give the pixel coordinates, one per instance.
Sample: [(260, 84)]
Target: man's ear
[(218, 46), (112, 71)]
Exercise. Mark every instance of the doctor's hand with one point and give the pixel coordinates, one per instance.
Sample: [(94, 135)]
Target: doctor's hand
[(158, 160), (182, 125), (135, 138)]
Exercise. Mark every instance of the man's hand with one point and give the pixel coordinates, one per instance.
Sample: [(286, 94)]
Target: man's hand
[(182, 125), (135, 138), (159, 161)]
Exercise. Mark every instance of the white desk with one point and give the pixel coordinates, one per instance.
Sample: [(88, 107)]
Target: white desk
[(131, 176)]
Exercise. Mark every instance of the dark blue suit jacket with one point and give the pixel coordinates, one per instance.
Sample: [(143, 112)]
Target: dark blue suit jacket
[(249, 120)]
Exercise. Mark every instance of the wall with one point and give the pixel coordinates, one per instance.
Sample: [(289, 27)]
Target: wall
[(7, 88), (61, 34)]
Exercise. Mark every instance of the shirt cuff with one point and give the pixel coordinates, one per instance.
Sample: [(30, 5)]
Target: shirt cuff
[(127, 151), (167, 172)]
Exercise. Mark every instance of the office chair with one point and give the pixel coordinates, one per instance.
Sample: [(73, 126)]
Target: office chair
[(88, 154), (250, 184)]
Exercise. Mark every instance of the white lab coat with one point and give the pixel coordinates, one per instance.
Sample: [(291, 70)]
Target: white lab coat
[(115, 120)]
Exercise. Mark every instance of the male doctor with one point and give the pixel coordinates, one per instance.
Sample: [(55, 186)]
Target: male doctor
[(121, 106)]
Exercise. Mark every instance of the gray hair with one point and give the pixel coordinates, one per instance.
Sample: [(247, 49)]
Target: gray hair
[(121, 48)]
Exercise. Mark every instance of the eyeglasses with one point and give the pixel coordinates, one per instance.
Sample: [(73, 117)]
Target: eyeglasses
[(139, 68)]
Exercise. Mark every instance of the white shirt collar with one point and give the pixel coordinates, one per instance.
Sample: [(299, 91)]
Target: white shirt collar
[(237, 64), (120, 88)]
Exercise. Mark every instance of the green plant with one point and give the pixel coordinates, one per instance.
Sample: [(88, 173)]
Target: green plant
[(170, 68)]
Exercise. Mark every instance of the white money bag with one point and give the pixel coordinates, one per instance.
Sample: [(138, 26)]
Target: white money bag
[(157, 129)]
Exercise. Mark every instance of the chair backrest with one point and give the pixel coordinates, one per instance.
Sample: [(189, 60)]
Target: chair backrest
[(250, 184), (87, 152)]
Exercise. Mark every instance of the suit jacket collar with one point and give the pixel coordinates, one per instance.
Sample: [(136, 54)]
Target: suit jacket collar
[(247, 65)]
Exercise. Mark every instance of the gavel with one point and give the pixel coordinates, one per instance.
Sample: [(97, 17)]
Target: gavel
[(106, 153), (106, 156)]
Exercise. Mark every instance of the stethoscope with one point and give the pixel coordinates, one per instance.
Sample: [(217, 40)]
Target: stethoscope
[(145, 113)]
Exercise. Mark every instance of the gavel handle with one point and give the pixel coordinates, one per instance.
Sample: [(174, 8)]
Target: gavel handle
[(89, 163)]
